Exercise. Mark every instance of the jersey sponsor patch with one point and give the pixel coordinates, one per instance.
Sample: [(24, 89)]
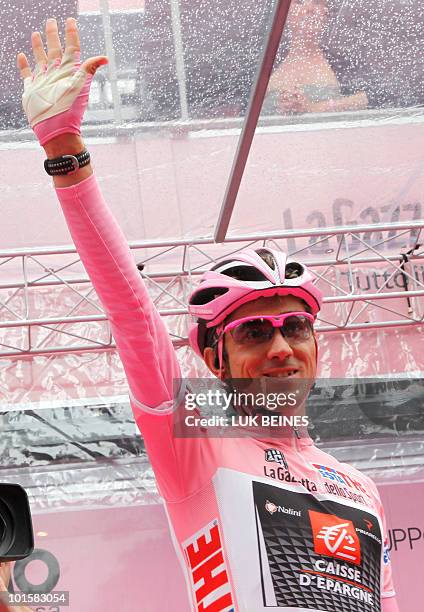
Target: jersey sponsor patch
[(386, 553), (275, 455), (210, 584), (339, 477), (335, 537), (316, 555)]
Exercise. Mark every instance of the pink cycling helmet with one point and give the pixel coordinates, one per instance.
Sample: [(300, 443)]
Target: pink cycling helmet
[(220, 291)]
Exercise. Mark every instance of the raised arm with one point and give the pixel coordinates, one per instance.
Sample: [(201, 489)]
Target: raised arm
[(55, 98)]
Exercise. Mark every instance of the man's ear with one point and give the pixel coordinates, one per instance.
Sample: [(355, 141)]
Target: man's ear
[(211, 360)]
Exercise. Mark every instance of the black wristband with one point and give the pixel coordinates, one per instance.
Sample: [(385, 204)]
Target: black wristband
[(67, 164)]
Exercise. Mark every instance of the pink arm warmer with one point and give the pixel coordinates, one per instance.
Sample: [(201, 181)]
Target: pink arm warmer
[(143, 342)]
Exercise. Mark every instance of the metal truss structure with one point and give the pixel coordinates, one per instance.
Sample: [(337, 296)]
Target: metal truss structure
[(51, 307)]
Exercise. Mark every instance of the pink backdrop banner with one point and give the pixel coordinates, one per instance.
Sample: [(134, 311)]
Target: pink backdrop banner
[(164, 188), (404, 505), (108, 559)]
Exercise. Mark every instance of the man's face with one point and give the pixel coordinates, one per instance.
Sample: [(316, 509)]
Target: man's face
[(275, 357)]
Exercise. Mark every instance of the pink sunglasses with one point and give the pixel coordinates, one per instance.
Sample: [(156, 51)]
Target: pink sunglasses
[(295, 327)]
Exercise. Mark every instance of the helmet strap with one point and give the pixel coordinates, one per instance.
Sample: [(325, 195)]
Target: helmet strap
[(220, 350)]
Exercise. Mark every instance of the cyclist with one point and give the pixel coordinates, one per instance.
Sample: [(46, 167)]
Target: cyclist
[(258, 523)]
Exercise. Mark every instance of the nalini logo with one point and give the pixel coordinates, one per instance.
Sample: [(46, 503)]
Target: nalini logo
[(368, 524), (276, 456), (335, 537), (271, 507), (208, 571)]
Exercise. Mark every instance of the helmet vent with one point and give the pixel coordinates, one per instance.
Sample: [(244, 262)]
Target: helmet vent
[(244, 273), (207, 295), (267, 257), (294, 270)]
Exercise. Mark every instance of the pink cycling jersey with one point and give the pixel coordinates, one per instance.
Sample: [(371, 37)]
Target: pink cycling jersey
[(257, 524)]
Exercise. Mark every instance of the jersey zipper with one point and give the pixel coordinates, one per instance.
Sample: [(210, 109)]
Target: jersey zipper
[(299, 452)]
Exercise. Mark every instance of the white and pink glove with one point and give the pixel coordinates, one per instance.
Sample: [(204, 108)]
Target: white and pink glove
[(56, 94), (54, 100)]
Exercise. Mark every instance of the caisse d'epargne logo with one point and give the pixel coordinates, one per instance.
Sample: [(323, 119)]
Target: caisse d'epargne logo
[(335, 537)]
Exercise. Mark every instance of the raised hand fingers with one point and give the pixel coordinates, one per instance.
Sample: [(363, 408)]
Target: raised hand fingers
[(23, 66), (54, 47), (71, 37), (38, 49), (91, 65)]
